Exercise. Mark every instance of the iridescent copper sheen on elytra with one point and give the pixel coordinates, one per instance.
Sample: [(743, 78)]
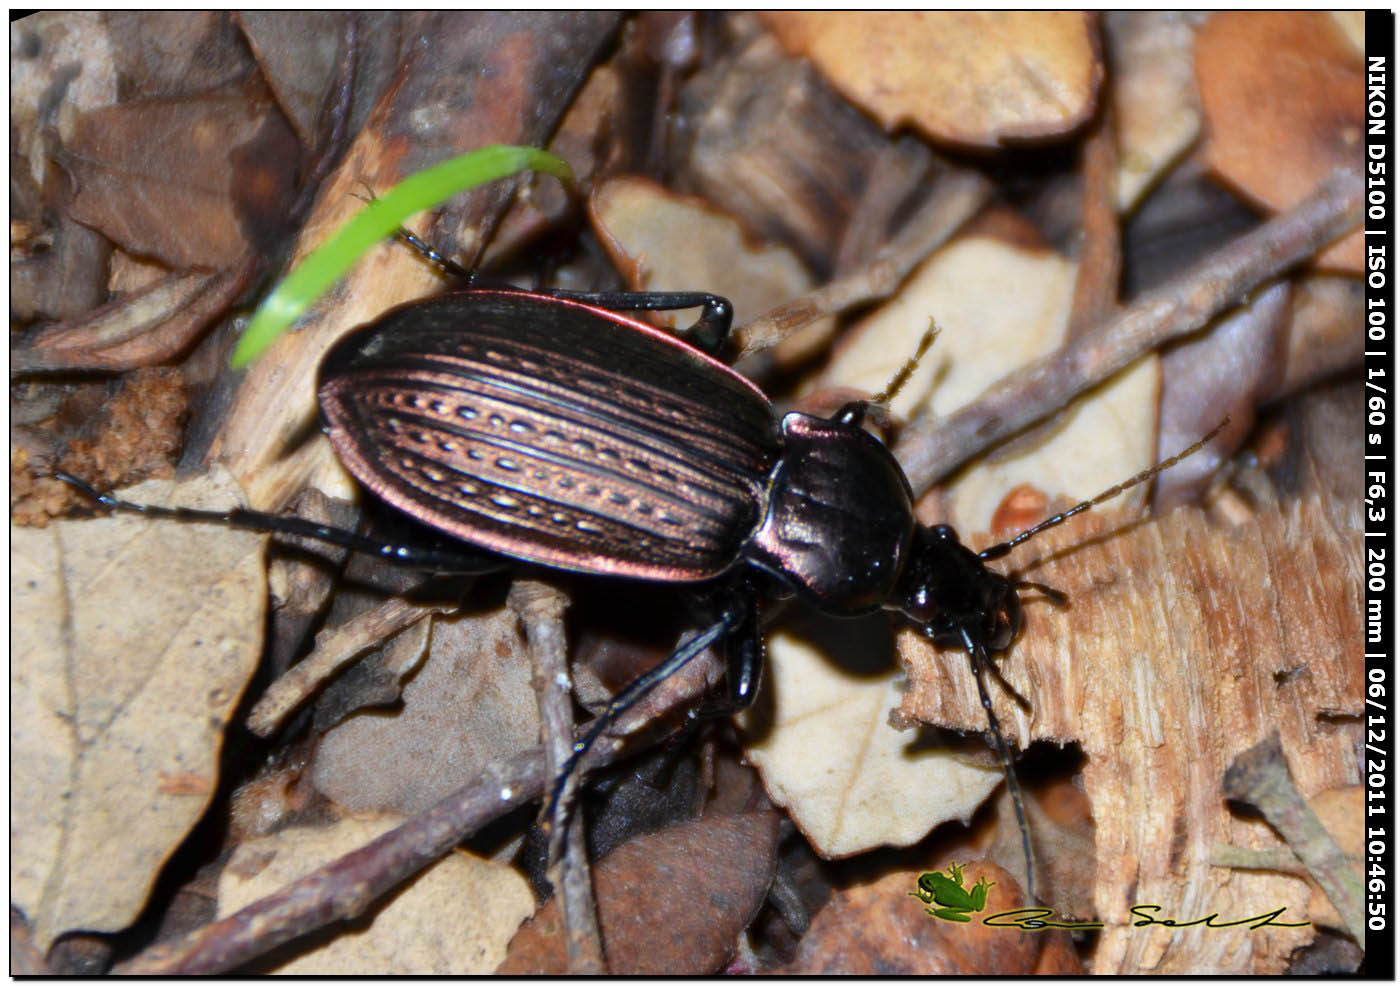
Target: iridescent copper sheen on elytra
[(564, 434)]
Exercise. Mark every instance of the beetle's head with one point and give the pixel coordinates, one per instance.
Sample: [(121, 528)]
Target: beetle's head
[(951, 595)]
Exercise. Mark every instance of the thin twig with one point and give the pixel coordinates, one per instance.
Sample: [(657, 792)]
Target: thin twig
[(1240, 858), (1100, 256), (958, 198), (931, 448), (540, 608), (1100, 264), (334, 649), (346, 887)]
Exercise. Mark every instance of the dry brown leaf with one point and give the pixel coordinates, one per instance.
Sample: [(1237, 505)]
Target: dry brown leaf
[(1156, 111), (152, 325), (298, 52), (997, 308), (1283, 95), (880, 929), (131, 642), (390, 642), (1162, 669), (666, 242), (453, 919), (669, 903), (470, 705), (182, 180), (849, 780), (968, 77)]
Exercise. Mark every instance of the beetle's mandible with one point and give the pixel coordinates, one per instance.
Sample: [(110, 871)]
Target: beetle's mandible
[(546, 427)]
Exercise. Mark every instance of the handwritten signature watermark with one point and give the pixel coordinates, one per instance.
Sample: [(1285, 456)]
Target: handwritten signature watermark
[(948, 898)]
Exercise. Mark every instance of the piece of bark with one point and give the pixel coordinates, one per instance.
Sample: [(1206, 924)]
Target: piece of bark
[(1162, 668)]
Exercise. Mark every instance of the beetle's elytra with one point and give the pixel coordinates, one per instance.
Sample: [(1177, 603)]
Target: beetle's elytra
[(546, 427), (552, 432)]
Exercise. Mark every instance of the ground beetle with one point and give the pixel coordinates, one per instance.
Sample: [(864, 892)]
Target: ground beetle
[(547, 427)]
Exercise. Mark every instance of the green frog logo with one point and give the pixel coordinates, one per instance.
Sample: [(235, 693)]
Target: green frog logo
[(946, 896)]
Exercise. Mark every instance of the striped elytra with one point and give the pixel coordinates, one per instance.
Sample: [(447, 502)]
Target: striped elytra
[(557, 433)]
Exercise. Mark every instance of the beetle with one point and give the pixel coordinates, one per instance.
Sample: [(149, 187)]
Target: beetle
[(548, 427)]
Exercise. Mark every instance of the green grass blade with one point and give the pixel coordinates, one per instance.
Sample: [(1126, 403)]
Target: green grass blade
[(378, 220)]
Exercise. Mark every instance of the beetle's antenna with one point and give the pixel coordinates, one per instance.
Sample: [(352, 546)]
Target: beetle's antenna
[(998, 550), (980, 662), (898, 381), (448, 266)]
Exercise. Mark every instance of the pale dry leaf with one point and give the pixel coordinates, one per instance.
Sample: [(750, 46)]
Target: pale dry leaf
[(1351, 24), (668, 242), (454, 918), (471, 704), (998, 307), (849, 779), (131, 642), (1156, 110), (1163, 668), (967, 77)]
